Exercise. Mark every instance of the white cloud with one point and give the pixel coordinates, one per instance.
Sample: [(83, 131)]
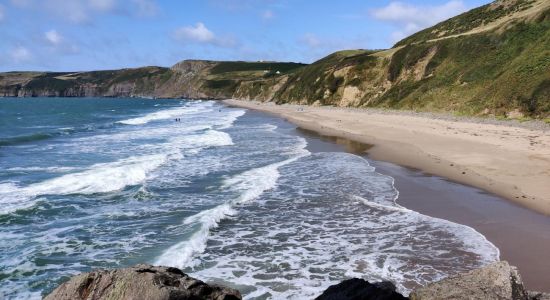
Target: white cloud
[(53, 37), (21, 3), (58, 44), (268, 15), (146, 8), (102, 5), (198, 33), (412, 18), (85, 11), (310, 40), (20, 54)]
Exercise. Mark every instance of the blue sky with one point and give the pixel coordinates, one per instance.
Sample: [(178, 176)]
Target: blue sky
[(75, 35)]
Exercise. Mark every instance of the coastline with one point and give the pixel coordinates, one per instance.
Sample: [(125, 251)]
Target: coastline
[(504, 223), (511, 162)]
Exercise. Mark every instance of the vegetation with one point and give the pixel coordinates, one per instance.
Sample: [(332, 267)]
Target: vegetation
[(232, 66), (469, 20), (490, 71)]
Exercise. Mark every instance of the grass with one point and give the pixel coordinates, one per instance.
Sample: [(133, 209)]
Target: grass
[(498, 71), (466, 21), (233, 66), (492, 72)]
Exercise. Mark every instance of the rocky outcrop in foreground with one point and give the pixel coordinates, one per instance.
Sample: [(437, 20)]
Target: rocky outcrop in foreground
[(140, 282), (498, 281), (360, 289)]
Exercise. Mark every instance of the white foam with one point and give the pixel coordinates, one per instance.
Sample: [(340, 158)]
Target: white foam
[(210, 138), (181, 254), (42, 169), (249, 185), (99, 178), (331, 217), (476, 241), (167, 114), (229, 118)]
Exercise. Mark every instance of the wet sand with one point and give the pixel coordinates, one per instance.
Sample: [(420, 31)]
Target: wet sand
[(510, 161), (522, 235)]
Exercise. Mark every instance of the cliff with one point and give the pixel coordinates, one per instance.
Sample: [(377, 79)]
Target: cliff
[(492, 60)]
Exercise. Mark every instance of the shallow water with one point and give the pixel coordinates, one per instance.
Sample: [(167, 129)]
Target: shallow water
[(231, 197)]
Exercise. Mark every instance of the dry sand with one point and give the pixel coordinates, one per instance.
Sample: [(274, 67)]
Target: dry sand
[(509, 161)]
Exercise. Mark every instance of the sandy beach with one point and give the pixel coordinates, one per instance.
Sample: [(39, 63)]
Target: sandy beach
[(510, 161), (504, 223)]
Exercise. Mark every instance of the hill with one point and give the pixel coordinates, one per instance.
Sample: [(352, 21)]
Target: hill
[(492, 60)]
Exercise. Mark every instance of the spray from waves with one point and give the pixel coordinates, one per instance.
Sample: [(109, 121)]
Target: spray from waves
[(168, 114), (108, 177), (249, 185), (231, 117), (210, 138), (99, 178), (478, 242), (41, 169), (316, 227)]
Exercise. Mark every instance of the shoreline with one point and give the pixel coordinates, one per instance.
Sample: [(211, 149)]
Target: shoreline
[(511, 162), (505, 224)]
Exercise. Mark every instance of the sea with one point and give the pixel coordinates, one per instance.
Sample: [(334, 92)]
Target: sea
[(230, 196)]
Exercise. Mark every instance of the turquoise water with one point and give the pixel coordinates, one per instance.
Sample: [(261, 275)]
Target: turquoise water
[(230, 196)]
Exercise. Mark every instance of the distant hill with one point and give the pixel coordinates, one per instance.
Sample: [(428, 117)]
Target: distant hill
[(492, 60)]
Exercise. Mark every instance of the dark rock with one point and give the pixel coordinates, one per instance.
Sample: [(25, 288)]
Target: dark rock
[(496, 281), (360, 289), (538, 296), (140, 282)]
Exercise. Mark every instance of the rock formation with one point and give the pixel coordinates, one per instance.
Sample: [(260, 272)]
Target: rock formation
[(360, 289), (139, 282), (496, 281)]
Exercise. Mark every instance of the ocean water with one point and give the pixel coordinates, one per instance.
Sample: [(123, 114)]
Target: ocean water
[(230, 196)]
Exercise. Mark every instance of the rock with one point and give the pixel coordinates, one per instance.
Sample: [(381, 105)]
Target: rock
[(538, 296), (515, 114), (360, 289), (139, 282), (495, 281)]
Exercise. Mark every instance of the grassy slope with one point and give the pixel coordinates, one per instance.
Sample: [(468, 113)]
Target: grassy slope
[(471, 73), (492, 71), (494, 59), (144, 80)]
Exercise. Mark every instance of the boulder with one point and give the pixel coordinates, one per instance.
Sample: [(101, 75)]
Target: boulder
[(139, 282), (496, 281), (538, 295), (360, 289)]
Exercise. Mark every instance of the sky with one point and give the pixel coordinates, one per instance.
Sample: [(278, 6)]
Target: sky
[(79, 35)]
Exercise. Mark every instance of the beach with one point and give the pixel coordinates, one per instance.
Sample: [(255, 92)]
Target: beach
[(237, 197), (504, 223), (510, 161)]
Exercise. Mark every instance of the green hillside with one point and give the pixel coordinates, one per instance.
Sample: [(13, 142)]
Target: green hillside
[(492, 60)]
